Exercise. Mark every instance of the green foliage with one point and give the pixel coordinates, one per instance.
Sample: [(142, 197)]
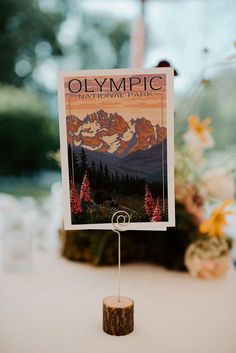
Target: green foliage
[(103, 42), (13, 99), (27, 134), (23, 25)]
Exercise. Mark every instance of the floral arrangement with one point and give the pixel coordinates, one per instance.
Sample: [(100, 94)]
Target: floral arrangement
[(197, 186)]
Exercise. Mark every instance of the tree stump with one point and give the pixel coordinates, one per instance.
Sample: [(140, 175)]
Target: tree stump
[(118, 316)]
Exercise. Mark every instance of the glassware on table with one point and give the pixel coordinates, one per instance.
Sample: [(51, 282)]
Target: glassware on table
[(17, 251)]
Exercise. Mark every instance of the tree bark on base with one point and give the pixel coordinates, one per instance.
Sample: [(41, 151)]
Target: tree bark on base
[(118, 316)]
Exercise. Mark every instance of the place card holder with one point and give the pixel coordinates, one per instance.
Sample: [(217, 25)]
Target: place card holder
[(118, 311)]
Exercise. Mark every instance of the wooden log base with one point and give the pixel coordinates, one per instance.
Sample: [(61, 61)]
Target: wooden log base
[(118, 316)]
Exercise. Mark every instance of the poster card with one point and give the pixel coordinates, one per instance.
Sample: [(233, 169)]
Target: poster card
[(117, 147)]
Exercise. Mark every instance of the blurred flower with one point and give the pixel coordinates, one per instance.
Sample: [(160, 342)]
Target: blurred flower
[(209, 268), (219, 183), (201, 129), (205, 83), (198, 137), (208, 258), (193, 204), (217, 220), (192, 200)]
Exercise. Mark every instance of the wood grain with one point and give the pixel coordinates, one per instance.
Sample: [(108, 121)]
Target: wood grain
[(118, 316)]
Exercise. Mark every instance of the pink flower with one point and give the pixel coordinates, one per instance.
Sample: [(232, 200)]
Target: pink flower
[(75, 203), (156, 217), (85, 189), (149, 202)]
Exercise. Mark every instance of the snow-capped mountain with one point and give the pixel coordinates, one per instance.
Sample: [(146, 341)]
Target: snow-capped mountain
[(110, 133)]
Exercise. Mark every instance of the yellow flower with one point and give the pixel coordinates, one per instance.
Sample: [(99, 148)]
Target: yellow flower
[(214, 225), (198, 137), (200, 128), (205, 82)]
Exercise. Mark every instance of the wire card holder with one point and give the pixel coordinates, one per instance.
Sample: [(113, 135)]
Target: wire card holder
[(118, 311)]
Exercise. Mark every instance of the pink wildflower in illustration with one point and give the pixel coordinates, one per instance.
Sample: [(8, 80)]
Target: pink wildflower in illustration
[(149, 202), (85, 189), (75, 203), (156, 217)]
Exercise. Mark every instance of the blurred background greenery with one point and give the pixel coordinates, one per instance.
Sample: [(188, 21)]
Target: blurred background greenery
[(40, 37)]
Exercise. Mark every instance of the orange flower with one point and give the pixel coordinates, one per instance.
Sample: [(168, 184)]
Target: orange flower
[(217, 220), (200, 127)]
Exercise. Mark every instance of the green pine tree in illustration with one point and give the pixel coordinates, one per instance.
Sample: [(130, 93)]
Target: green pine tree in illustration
[(93, 175), (101, 171), (107, 183), (93, 168), (106, 172), (117, 182), (113, 183)]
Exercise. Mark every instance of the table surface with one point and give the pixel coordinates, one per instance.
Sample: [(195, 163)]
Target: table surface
[(57, 308)]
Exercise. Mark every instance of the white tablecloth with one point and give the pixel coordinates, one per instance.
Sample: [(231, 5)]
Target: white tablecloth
[(57, 308)]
